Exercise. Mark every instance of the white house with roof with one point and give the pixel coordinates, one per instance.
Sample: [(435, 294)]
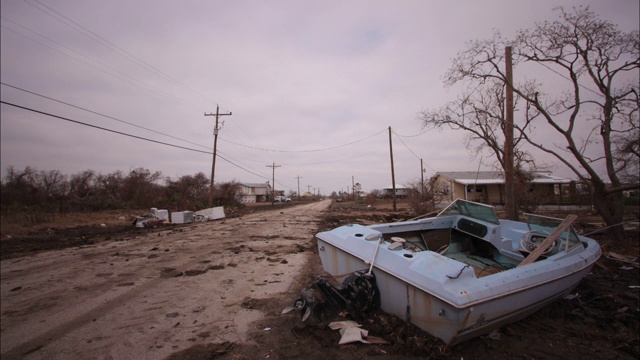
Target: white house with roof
[(401, 192), (254, 192), (488, 186)]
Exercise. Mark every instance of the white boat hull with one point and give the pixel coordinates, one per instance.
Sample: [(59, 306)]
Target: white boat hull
[(444, 318)]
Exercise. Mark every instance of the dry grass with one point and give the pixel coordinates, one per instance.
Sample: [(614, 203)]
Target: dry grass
[(23, 222)]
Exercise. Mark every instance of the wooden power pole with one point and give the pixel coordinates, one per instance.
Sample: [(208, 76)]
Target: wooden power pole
[(215, 143), (509, 176), (299, 177), (353, 189), (393, 174), (273, 178), (421, 179)]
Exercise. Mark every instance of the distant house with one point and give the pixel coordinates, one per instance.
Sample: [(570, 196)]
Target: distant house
[(254, 192), (488, 186), (400, 192)]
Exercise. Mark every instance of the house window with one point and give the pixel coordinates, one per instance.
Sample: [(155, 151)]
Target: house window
[(474, 189)]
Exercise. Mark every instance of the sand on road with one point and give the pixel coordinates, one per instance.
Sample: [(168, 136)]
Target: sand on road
[(155, 294)]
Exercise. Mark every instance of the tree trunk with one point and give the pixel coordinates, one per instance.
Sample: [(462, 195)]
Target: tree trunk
[(611, 207)]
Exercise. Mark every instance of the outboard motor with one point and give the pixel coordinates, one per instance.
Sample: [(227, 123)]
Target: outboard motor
[(319, 303)]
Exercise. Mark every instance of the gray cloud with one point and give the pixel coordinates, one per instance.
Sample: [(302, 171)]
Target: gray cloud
[(297, 76)]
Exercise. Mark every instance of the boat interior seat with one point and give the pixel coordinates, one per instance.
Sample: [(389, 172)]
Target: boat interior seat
[(478, 253), (437, 239)]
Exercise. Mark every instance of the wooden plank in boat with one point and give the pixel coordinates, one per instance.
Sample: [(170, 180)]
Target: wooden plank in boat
[(535, 254)]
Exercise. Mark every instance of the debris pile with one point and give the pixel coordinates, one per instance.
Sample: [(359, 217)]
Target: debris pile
[(161, 217)]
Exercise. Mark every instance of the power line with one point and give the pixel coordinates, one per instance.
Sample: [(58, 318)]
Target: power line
[(303, 151), (107, 69), (141, 127), (411, 151), (110, 45), (410, 136), (241, 168), (171, 136), (254, 172), (102, 128), (129, 135), (567, 78), (100, 114), (405, 145)]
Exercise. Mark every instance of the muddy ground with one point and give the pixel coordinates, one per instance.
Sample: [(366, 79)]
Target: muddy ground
[(117, 292)]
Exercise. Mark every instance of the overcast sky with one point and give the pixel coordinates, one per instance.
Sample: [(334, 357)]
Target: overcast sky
[(313, 86)]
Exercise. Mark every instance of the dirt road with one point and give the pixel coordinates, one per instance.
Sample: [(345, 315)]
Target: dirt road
[(216, 291), (157, 294)]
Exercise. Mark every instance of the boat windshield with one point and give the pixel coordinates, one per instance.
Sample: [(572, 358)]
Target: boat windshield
[(475, 210), (546, 225)]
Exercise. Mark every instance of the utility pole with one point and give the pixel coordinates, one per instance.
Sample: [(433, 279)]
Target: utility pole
[(273, 178), (215, 143), (509, 176), (309, 189), (421, 179), (299, 177), (393, 174), (353, 190)]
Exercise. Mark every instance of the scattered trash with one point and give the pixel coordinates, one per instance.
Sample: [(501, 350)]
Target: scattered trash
[(153, 219), (148, 220), (350, 332), (572, 296), (343, 324), (627, 259), (626, 267), (634, 287), (353, 334), (181, 217), (357, 295), (162, 214), (495, 334), (214, 213), (267, 329)]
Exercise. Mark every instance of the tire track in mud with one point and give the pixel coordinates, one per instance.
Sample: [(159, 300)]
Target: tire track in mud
[(54, 334), (143, 274), (57, 332)]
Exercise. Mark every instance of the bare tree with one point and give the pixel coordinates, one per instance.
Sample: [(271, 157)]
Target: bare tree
[(357, 189), (19, 187), (51, 184), (480, 112), (140, 189), (188, 192), (109, 189), (227, 193), (586, 116)]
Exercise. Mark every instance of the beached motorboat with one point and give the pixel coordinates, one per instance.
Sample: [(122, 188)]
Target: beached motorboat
[(458, 275)]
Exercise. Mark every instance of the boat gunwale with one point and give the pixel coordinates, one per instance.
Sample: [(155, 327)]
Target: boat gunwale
[(479, 301)]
